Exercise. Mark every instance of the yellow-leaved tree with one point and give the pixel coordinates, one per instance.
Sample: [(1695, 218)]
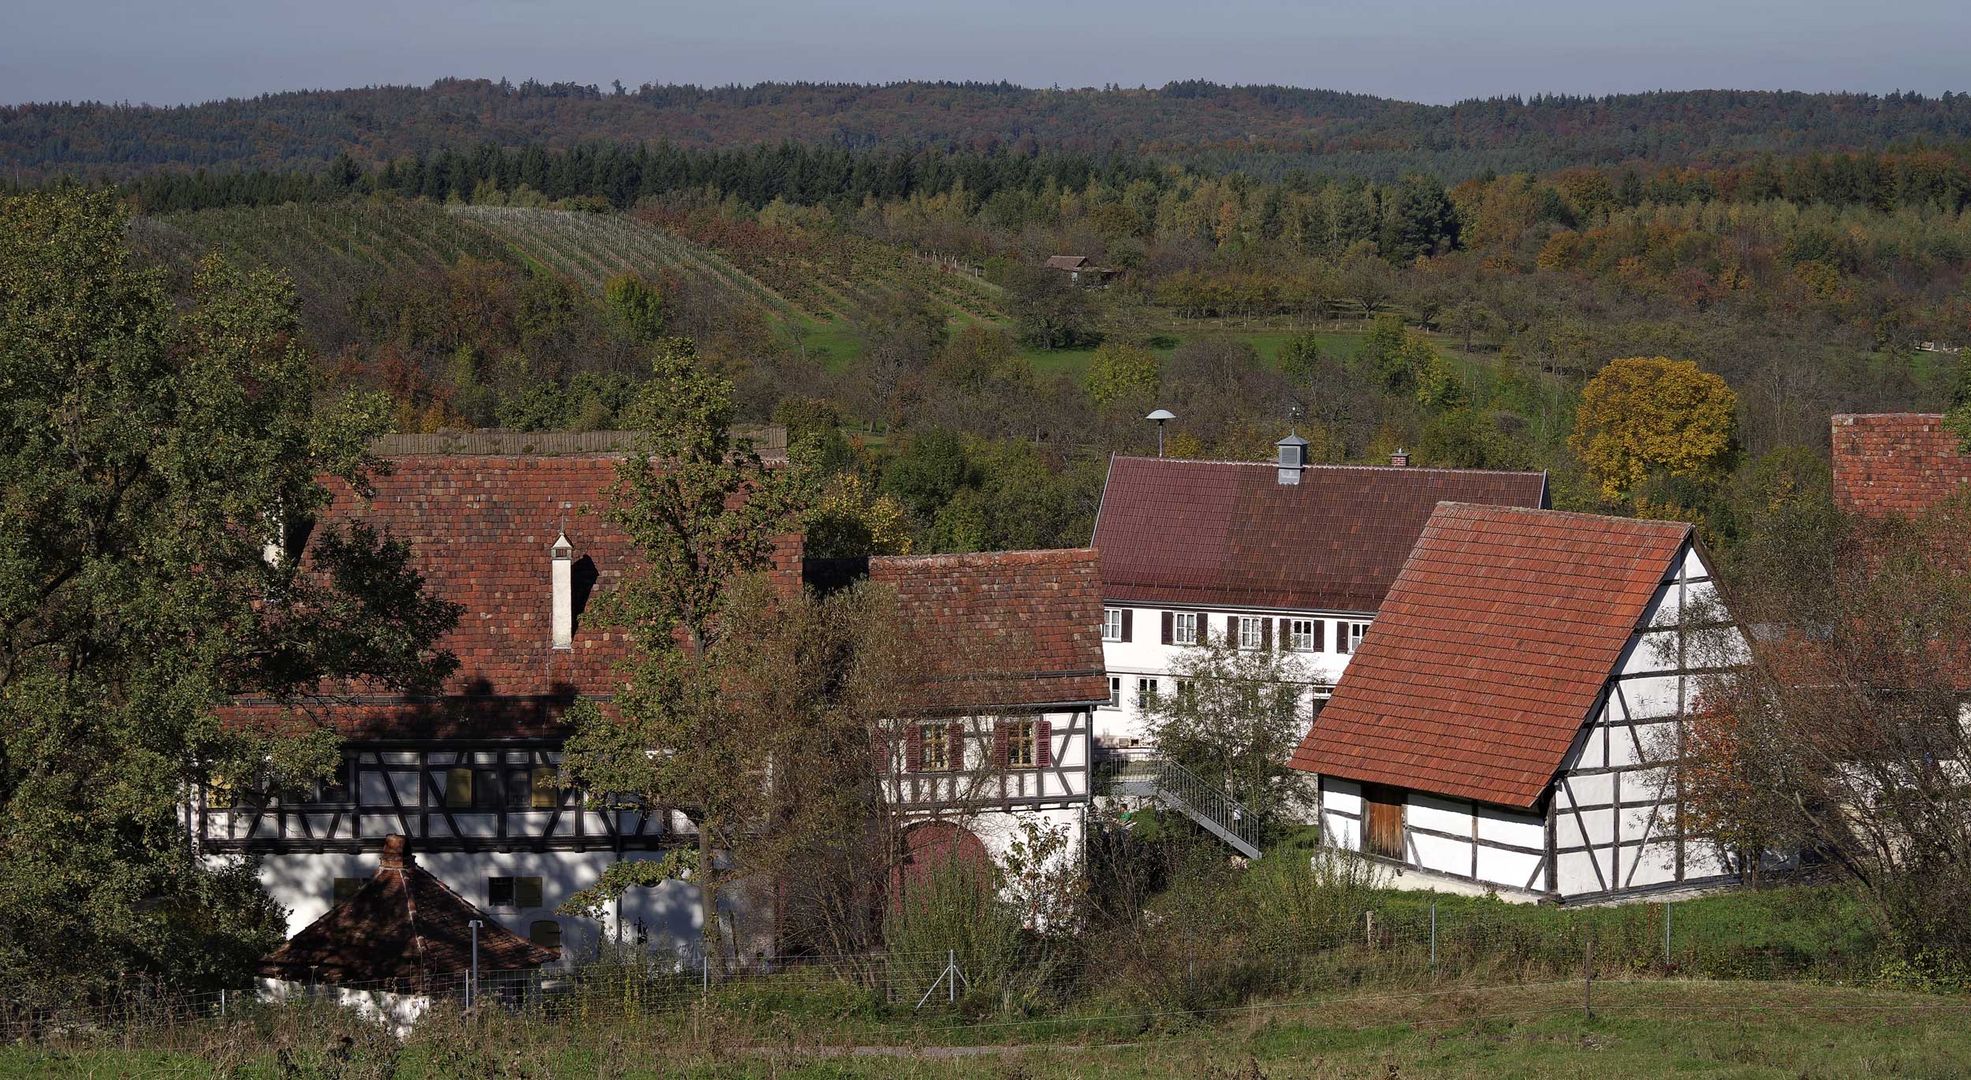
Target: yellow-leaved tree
[(1645, 418)]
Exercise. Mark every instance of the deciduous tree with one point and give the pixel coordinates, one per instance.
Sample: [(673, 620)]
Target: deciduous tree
[(1650, 417)]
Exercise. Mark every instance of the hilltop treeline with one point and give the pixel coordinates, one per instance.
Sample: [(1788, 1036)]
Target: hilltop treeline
[(1265, 130)]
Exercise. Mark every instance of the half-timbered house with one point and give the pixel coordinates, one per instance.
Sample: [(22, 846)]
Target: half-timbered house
[(997, 726), (1509, 723), (1287, 555), (469, 774)]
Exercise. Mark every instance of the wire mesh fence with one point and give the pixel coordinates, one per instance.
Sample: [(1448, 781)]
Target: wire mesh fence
[(1063, 978)]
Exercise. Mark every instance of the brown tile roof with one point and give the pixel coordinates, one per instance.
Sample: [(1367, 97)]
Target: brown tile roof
[(1006, 629), (1490, 651), (1228, 533), (1896, 463), (1066, 262), (480, 529), (403, 924)]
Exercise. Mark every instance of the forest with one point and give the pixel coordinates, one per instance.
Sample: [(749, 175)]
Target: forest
[(891, 305)]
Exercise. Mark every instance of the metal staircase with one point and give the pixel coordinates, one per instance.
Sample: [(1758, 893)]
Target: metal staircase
[(1189, 794)]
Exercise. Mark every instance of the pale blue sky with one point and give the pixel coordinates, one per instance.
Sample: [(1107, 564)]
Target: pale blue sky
[(173, 51)]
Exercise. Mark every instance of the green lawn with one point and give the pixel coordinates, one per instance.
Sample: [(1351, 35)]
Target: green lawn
[(1639, 1028)]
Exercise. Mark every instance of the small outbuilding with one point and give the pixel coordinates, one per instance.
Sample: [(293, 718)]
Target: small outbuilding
[(400, 940), (1510, 720)]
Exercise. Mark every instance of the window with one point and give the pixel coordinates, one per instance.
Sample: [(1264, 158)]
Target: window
[(1115, 624), (458, 788), (545, 933), (1250, 631), (1184, 628), (1304, 635), (1348, 635), (513, 892), (936, 747), (545, 789), (1323, 691), (1115, 692), (1182, 689), (1019, 743), (345, 887), (1145, 690)]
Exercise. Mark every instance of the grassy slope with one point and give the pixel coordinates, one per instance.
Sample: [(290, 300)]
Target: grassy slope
[(1639, 1029)]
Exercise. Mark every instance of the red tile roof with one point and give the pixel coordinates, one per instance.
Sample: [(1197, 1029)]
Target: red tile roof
[(481, 529), (1228, 533), (1008, 629), (1490, 651), (403, 924), (1896, 463)]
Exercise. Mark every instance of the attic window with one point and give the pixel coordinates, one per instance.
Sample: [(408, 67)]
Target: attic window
[(513, 892)]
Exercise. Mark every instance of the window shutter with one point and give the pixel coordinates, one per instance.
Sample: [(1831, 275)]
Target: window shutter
[(1204, 628), (1341, 637), (954, 735), (1043, 743), (1128, 620), (1320, 635), (1266, 633), (913, 748), (1284, 635), (1166, 627), (999, 736), (1232, 630)]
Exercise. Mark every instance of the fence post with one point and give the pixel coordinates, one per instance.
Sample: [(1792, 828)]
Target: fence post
[(1666, 933), (704, 972), (1433, 937), (1588, 979), (951, 971)]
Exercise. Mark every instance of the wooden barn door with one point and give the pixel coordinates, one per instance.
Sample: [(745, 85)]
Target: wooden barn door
[(1382, 824)]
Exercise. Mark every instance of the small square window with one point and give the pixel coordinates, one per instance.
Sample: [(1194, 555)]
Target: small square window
[(1111, 624), (1021, 749), (513, 892), (545, 788), (1184, 628), (1300, 635), (545, 933)]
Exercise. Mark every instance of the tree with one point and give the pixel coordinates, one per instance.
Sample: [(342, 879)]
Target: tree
[(149, 456), (637, 306), (691, 726), (1048, 312), (1234, 718), (1844, 734), (1958, 419), (1645, 418), (1123, 374)]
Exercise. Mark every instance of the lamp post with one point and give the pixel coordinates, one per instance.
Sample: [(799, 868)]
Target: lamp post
[(472, 988), (1160, 416)]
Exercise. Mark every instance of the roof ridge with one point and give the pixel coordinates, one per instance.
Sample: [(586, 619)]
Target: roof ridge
[(1852, 416), (1576, 515), (1337, 466)]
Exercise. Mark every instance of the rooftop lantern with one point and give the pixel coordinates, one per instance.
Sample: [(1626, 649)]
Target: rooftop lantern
[(1293, 459)]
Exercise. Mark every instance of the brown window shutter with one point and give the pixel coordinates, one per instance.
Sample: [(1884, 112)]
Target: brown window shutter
[(1043, 743), (1266, 633), (1320, 635), (1204, 628), (954, 734), (999, 737), (1285, 635), (913, 748), (1341, 637), (1128, 622), (1232, 630), (1166, 627)]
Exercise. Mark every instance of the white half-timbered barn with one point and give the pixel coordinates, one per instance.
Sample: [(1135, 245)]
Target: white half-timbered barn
[(1508, 724)]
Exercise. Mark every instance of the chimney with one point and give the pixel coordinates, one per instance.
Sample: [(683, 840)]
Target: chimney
[(1400, 459), (396, 853), (564, 593), (1293, 458)]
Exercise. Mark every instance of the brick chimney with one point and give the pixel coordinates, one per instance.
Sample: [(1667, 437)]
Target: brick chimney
[(1400, 459), (396, 853), (564, 592)]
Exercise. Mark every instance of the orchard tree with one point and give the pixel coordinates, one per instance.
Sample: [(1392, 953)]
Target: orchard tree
[(148, 453), (1651, 419), (1123, 375), (1234, 717)]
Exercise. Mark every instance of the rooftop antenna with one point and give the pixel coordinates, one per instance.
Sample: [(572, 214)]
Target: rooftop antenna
[(1160, 416)]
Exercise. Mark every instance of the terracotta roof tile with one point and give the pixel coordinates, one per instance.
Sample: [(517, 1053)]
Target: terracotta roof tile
[(402, 924), (1228, 533), (996, 629), (1490, 650)]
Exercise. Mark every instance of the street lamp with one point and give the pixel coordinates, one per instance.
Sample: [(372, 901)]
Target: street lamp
[(1160, 416)]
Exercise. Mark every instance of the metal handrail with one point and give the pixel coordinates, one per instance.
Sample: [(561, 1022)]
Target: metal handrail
[(1193, 795)]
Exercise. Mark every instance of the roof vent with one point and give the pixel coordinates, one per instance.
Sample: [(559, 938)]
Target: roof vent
[(1293, 458), (1400, 459), (564, 593)]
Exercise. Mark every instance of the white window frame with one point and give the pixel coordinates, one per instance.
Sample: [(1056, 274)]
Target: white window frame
[(1300, 635), (1351, 631), (1115, 692), (1251, 633), (1112, 624), (1145, 687), (1184, 627)]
